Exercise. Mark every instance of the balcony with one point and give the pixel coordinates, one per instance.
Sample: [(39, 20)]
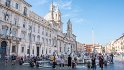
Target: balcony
[(38, 43), (7, 37), (4, 36)]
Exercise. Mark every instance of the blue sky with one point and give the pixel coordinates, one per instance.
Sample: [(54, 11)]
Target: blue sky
[(106, 17)]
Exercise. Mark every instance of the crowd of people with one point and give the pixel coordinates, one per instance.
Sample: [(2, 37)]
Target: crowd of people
[(103, 60), (62, 61)]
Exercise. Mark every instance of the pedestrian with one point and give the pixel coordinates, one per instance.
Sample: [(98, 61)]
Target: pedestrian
[(75, 59), (62, 62), (21, 61), (6, 59), (54, 61), (109, 59), (69, 61), (111, 55), (105, 60), (101, 59), (59, 61), (93, 62), (13, 58), (73, 64)]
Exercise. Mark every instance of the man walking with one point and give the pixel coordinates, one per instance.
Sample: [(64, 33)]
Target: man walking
[(69, 61)]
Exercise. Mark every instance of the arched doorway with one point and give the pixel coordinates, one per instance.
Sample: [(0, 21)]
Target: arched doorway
[(3, 49)]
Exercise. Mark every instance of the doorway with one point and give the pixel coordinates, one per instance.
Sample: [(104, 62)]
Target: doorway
[(37, 51), (3, 50)]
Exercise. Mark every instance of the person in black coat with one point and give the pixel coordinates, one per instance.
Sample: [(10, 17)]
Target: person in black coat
[(93, 63), (69, 61)]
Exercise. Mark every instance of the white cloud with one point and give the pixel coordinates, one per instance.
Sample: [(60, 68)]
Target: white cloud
[(39, 2), (63, 4), (79, 20), (67, 5)]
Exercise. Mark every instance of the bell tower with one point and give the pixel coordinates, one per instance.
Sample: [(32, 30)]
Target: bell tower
[(58, 18), (69, 28), (52, 10)]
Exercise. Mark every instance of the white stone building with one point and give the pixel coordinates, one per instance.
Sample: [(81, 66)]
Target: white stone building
[(116, 46), (23, 32)]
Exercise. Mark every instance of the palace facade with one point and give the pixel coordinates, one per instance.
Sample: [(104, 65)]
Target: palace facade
[(23, 32)]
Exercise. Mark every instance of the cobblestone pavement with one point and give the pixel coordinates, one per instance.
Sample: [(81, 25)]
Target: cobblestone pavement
[(118, 65)]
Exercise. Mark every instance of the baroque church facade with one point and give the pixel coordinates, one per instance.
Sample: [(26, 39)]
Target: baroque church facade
[(24, 33)]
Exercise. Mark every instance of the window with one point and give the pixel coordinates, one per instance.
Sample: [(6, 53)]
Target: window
[(49, 51), (29, 36), (25, 11), (8, 2), (14, 33), (50, 34), (42, 39), (65, 48), (33, 38), (46, 51), (28, 51), (47, 41), (42, 32), (38, 29), (43, 28), (6, 16), (15, 21), (50, 41), (38, 38), (34, 29), (42, 50), (4, 30), (17, 6), (22, 50), (46, 34), (53, 42), (60, 49), (13, 49), (30, 28), (23, 25), (32, 51), (23, 35)]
